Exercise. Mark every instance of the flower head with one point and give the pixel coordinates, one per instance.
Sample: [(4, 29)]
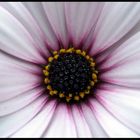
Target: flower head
[(69, 69)]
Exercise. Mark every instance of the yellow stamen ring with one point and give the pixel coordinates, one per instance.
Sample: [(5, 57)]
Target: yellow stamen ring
[(70, 96)]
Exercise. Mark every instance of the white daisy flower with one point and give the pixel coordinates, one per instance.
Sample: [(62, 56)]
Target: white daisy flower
[(69, 69)]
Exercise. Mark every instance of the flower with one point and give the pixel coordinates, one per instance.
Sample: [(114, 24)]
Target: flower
[(108, 32)]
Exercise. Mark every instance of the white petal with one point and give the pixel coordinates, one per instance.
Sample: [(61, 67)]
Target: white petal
[(81, 125), (36, 127), (12, 123), (56, 16), (116, 20), (95, 127), (110, 124), (17, 77), (123, 66), (62, 124), (81, 18), (124, 104), (15, 104), (37, 11), (23, 15), (15, 39)]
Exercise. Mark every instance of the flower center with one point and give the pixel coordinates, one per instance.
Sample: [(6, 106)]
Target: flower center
[(70, 74)]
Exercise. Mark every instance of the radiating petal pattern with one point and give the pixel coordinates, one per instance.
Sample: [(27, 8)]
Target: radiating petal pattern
[(25, 17), (30, 31), (122, 65), (38, 12), (17, 76), (78, 26), (55, 13), (81, 125), (110, 124), (62, 124), (115, 21), (17, 103), (95, 127), (15, 40), (124, 105), (12, 123), (37, 126)]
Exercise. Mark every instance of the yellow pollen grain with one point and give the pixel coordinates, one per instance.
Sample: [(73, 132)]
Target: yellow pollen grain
[(87, 57), (56, 56), (83, 53), (91, 59), (51, 93), (55, 52), (73, 50), (47, 67), (55, 92), (94, 76), (46, 81), (91, 83), (87, 92), (46, 73), (78, 51), (69, 50), (92, 64), (49, 87), (68, 99), (62, 50), (82, 94), (61, 95), (89, 87), (96, 71), (50, 59), (76, 98), (70, 94)]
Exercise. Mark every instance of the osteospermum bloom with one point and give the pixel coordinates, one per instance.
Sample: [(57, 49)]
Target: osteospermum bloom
[(69, 69)]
